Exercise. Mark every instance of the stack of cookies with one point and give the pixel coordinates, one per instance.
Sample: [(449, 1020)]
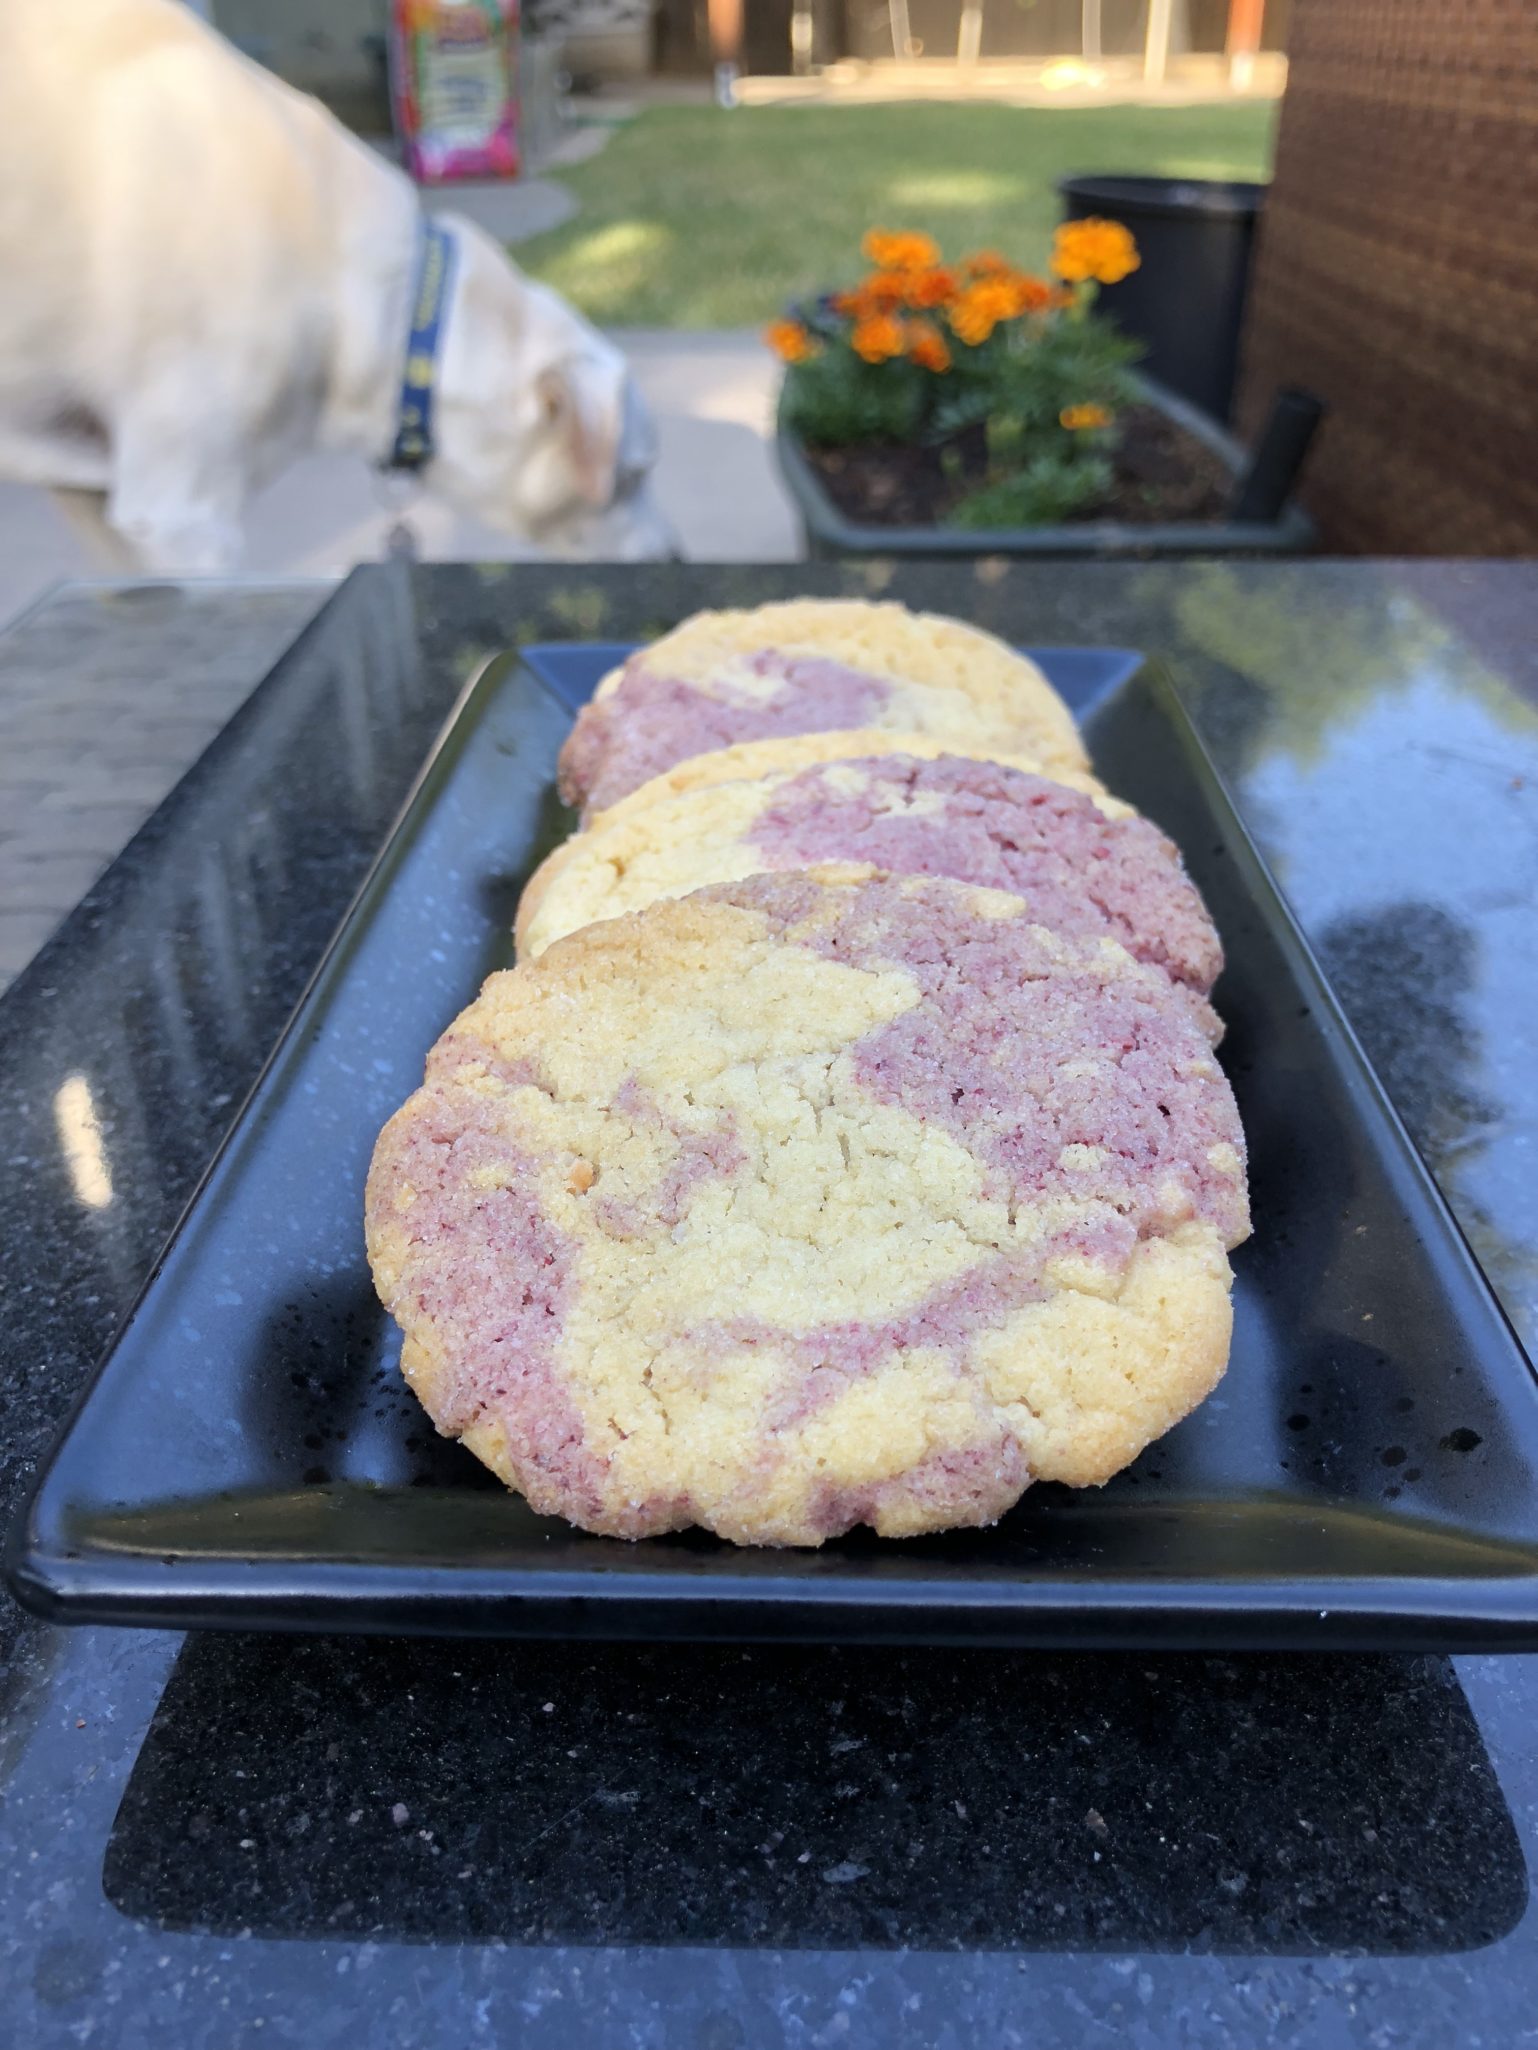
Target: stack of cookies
[(848, 1145)]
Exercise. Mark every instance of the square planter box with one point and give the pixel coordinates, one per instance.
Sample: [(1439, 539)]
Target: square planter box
[(829, 533)]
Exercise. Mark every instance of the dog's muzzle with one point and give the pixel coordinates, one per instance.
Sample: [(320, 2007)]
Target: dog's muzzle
[(632, 527)]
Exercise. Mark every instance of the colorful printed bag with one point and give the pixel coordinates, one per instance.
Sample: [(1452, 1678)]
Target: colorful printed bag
[(455, 70)]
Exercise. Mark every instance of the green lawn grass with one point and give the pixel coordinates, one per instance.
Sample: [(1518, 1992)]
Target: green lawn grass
[(696, 218)]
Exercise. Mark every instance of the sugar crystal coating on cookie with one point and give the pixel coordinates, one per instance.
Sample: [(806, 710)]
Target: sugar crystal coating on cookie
[(827, 1198)]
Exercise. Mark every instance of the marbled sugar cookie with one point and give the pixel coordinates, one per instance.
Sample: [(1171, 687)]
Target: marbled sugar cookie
[(806, 667), (817, 1199), (1078, 870)]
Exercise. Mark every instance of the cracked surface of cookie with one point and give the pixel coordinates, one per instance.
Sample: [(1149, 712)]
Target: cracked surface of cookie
[(1077, 870), (811, 1200), (807, 666)]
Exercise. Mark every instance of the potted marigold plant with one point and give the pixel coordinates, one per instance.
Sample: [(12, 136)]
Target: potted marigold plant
[(977, 409)]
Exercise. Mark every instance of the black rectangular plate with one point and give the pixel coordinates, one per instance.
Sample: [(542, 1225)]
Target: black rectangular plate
[(248, 1455)]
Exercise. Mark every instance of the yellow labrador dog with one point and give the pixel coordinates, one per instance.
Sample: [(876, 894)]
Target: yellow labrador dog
[(203, 276)]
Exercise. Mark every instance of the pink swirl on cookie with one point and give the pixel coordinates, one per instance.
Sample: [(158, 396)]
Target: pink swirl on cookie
[(828, 1356), (1069, 1071), (976, 1484), (489, 1274), (714, 1154), (982, 822), (652, 721)]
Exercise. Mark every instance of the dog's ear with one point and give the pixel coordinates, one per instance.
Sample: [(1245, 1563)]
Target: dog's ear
[(580, 410)]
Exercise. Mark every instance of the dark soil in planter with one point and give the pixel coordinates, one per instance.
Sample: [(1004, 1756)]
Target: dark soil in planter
[(1163, 473)]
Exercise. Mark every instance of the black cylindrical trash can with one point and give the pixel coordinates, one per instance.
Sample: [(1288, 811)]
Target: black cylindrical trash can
[(1185, 302)]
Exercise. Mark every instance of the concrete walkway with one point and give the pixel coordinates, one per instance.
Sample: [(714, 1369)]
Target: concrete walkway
[(712, 393)]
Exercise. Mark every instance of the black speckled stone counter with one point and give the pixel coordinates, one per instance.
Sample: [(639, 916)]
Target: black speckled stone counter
[(237, 1841)]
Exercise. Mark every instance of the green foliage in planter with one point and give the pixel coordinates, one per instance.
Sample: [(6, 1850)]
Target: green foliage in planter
[(1040, 470), (834, 401), (1025, 377), (1038, 492)]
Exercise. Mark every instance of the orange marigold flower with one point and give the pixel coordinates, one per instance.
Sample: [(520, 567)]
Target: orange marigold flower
[(935, 287), (790, 341), (1000, 296), (1092, 248), (1075, 418), (986, 263), (906, 250), (980, 309), (883, 291), (1029, 295), (878, 337), (926, 346)]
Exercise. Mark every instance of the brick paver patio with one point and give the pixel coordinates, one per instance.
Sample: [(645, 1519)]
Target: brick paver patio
[(106, 697)]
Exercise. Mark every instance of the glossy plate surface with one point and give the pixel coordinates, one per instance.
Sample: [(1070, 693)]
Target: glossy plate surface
[(248, 1455)]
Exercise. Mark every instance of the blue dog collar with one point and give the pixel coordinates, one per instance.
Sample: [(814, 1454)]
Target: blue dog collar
[(429, 300)]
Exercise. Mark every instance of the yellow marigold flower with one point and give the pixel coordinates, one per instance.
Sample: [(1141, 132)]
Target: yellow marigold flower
[(927, 288), (790, 341), (1092, 248), (926, 346), (1075, 418), (907, 250), (986, 263), (980, 309), (878, 337)]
